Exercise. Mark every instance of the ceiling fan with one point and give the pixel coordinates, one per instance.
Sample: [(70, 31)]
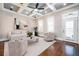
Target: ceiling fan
[(36, 7)]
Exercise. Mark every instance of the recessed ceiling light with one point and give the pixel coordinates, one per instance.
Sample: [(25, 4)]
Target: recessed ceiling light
[(11, 7), (27, 12), (36, 10), (45, 11), (65, 4)]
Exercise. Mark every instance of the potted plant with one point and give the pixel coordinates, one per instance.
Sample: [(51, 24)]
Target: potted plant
[(36, 31), (29, 34)]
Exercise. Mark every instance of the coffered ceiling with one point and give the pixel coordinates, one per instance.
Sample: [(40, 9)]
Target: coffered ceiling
[(34, 9)]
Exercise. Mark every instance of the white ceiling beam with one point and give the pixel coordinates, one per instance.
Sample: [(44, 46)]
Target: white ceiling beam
[(22, 8)]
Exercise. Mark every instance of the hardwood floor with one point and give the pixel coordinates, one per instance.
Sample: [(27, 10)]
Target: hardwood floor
[(62, 48), (1, 49)]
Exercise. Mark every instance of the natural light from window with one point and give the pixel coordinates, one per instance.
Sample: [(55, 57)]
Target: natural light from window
[(40, 25), (50, 24)]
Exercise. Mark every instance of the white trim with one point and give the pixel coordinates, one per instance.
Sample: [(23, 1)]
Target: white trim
[(62, 39)]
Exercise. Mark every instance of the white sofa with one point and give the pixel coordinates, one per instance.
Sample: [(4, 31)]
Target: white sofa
[(49, 36), (18, 47), (18, 44)]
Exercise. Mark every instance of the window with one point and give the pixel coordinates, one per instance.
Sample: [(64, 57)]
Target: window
[(40, 25), (70, 25), (69, 32), (50, 24)]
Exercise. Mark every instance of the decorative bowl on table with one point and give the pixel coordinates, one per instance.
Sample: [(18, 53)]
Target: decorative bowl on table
[(33, 40)]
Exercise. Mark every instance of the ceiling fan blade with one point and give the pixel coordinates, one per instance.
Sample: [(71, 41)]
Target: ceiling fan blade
[(37, 5), (31, 12), (31, 7), (41, 8)]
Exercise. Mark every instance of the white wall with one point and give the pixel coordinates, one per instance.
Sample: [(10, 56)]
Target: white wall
[(58, 25), (78, 28), (7, 22)]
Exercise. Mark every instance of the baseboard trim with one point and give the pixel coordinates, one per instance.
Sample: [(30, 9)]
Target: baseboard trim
[(67, 40)]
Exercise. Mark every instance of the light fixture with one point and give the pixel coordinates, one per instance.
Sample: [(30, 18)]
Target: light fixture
[(45, 11), (26, 12), (65, 4), (35, 10), (11, 8)]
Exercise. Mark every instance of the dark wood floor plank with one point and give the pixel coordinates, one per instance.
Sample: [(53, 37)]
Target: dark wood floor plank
[(1, 48), (62, 48)]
